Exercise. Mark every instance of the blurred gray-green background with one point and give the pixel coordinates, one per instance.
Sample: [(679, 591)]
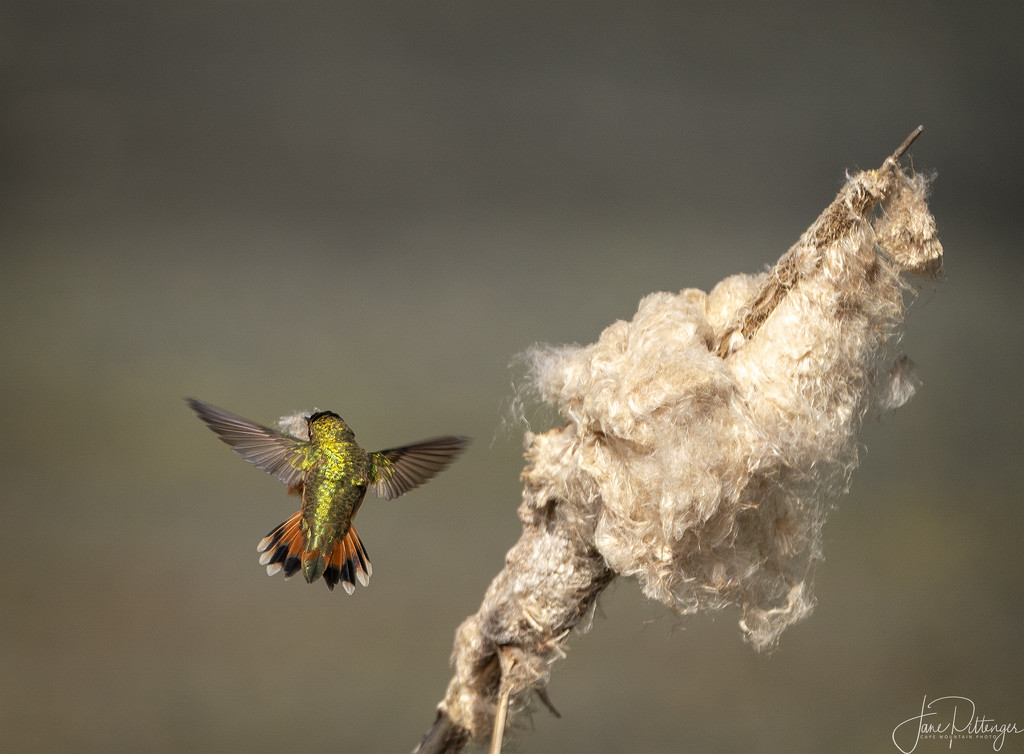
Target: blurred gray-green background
[(373, 208)]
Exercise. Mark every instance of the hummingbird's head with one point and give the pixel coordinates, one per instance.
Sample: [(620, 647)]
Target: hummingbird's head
[(327, 425)]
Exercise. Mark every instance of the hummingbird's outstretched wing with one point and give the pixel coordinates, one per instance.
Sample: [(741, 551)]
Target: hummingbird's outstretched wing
[(396, 471), (266, 448)]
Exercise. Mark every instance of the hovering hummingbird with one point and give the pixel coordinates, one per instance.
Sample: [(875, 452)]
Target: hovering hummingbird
[(332, 473)]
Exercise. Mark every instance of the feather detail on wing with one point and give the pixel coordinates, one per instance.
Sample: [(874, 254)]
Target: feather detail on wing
[(261, 446), (396, 471)]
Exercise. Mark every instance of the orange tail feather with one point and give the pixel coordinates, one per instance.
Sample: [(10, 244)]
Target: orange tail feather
[(283, 550), (348, 563)]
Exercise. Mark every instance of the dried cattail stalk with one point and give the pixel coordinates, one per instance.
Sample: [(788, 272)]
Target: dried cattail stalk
[(704, 442)]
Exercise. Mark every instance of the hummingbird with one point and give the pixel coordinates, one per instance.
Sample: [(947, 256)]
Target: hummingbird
[(332, 473)]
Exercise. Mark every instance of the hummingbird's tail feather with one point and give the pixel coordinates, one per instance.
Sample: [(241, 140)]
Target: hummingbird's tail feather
[(348, 563), (284, 550)]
